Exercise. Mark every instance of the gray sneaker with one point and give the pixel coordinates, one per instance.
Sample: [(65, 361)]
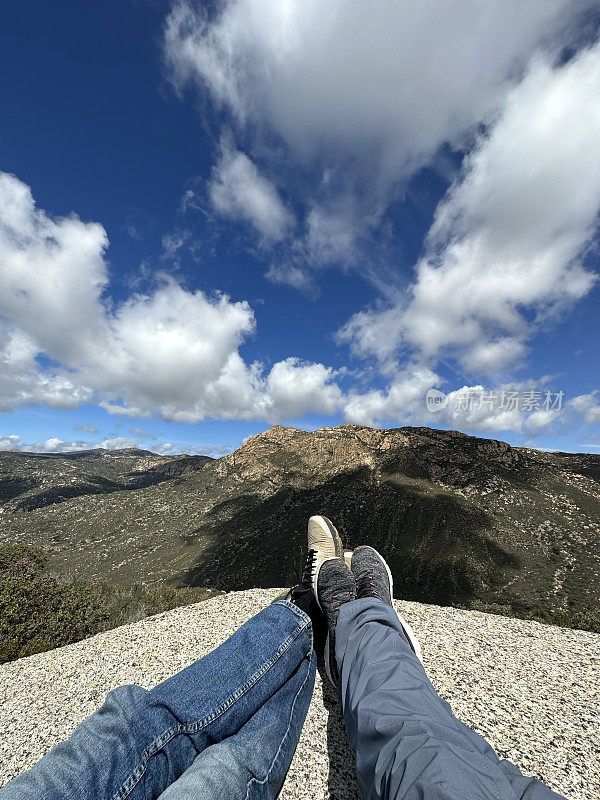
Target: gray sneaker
[(333, 585), (373, 576), (374, 579)]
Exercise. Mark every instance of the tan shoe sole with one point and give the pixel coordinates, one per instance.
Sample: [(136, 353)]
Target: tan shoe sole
[(324, 538)]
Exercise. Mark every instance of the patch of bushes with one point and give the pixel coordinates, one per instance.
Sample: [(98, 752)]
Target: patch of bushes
[(40, 611)]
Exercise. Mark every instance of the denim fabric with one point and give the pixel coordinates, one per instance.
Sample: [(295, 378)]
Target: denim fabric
[(408, 743), (224, 727)]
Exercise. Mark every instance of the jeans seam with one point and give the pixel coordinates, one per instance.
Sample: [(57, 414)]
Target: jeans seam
[(186, 728), (255, 781)]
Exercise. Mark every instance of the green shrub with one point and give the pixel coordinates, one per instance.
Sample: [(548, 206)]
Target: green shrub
[(40, 612), (21, 559)]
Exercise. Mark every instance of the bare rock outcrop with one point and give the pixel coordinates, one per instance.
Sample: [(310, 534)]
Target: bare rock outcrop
[(532, 690)]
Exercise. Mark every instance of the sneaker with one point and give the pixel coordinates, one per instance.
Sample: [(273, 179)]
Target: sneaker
[(333, 585), (324, 539), (374, 579), (373, 576), (348, 558), (302, 595), (323, 542)]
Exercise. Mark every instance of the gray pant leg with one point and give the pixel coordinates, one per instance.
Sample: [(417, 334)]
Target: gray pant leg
[(408, 743)]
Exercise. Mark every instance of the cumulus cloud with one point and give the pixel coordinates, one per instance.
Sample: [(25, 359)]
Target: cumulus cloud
[(212, 450), (293, 386), (405, 393), (56, 445), (118, 443), (358, 99), (347, 100), (529, 407), (164, 449), (508, 240), (23, 383), (10, 442), (52, 273), (173, 352), (238, 191), (385, 83), (505, 408)]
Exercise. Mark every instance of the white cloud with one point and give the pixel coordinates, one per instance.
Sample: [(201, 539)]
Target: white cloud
[(406, 392), (530, 407), (11, 442), (362, 97), (172, 243), (52, 274), (56, 445), (383, 83), (462, 415), (346, 100), (177, 351), (373, 332), (212, 450), (509, 236), (164, 449), (118, 443), (293, 386), (330, 236), (173, 352), (291, 275), (21, 380), (491, 357), (587, 406), (237, 190), (86, 428)]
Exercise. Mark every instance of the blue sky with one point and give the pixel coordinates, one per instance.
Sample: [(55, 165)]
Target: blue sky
[(214, 219)]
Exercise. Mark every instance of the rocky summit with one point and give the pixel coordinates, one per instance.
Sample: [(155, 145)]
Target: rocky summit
[(460, 519)]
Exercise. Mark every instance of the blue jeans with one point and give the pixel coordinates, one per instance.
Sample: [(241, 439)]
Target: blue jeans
[(225, 727), (408, 743)]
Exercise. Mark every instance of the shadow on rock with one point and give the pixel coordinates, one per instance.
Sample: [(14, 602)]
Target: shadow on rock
[(441, 548)]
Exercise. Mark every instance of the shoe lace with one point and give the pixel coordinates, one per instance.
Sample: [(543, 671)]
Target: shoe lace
[(309, 566), (345, 598), (365, 585)]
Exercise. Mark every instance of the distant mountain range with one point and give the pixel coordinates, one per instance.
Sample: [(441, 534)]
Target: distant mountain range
[(460, 519)]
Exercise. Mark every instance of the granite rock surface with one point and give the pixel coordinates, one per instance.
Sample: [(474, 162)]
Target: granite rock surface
[(532, 690)]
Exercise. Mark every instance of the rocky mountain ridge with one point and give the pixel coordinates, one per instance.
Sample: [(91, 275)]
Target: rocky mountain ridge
[(460, 519)]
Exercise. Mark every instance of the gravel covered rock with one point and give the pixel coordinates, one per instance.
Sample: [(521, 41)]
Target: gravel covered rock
[(532, 690)]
